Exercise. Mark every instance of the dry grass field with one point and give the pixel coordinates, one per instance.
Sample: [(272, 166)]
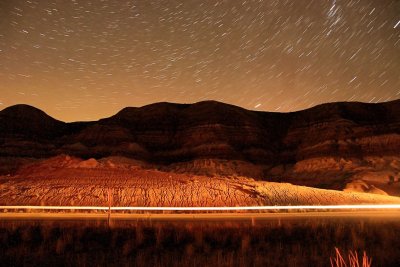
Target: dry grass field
[(273, 243)]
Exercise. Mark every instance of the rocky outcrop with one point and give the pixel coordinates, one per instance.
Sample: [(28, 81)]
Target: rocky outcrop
[(310, 146)]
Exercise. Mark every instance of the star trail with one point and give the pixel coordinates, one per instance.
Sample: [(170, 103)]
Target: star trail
[(84, 60)]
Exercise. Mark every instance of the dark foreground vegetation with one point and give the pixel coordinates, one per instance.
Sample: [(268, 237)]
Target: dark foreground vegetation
[(295, 242)]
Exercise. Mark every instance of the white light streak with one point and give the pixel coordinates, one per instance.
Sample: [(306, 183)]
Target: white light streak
[(302, 207), (352, 80), (397, 24)]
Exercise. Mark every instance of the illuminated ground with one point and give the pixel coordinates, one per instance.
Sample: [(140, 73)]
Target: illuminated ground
[(66, 181), (90, 187), (393, 213)]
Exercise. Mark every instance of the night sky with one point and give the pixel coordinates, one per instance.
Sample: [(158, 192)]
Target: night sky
[(86, 59)]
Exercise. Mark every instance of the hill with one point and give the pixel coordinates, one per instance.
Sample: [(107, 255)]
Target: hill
[(347, 145)]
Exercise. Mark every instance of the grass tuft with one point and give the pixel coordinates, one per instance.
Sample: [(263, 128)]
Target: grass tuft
[(353, 260)]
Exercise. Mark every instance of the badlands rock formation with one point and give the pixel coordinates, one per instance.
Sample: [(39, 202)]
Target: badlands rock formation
[(352, 146)]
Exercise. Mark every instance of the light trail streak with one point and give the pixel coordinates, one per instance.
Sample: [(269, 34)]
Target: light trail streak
[(303, 207)]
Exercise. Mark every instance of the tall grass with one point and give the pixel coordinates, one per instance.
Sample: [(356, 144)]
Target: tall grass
[(198, 243), (353, 259)]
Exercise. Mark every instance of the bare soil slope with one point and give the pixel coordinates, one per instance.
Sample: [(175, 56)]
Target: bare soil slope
[(65, 180)]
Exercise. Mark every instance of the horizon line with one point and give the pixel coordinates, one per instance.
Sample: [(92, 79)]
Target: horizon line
[(202, 101)]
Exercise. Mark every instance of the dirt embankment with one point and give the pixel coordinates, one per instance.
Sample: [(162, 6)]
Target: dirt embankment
[(70, 181)]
